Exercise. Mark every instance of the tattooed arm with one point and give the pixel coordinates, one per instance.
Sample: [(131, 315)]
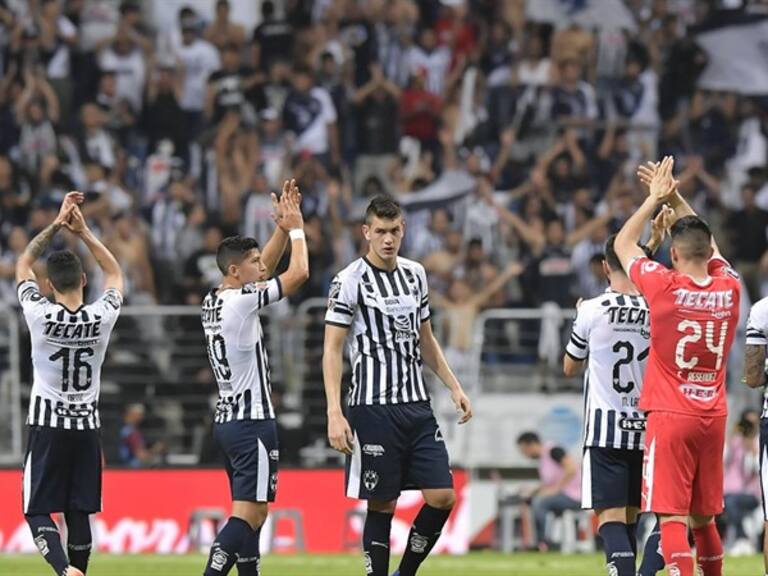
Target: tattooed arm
[(754, 366), (40, 242)]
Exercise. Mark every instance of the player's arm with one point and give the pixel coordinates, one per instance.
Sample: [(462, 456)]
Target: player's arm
[(754, 366), (577, 349), (275, 248), (113, 274), (298, 266), (662, 185), (33, 251), (433, 356), (339, 431)]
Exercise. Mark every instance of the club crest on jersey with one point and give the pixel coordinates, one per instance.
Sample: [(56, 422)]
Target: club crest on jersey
[(371, 480)]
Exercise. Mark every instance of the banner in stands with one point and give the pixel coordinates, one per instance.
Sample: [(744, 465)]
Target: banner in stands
[(151, 511)]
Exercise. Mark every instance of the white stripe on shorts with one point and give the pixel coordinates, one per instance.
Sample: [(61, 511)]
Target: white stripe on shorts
[(586, 480), (764, 480), (262, 480), (355, 468), (27, 481), (648, 470)]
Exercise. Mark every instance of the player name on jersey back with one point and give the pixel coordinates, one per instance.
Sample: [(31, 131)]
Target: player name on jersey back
[(692, 329), (612, 333), (237, 352), (68, 351)]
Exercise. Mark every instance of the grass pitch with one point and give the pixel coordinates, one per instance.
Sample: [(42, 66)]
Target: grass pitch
[(476, 564)]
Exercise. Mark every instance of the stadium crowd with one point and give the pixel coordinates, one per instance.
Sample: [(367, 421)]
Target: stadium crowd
[(177, 137)]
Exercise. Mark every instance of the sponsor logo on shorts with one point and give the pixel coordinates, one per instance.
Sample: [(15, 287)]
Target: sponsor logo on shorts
[(632, 424), (374, 450), (219, 559), (274, 455), (273, 482), (418, 543), (371, 480), (42, 545), (700, 393)]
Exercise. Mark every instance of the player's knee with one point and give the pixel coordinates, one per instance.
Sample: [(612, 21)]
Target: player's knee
[(699, 521), (443, 500)]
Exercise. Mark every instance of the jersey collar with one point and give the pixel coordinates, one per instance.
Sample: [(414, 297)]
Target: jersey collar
[(372, 265)]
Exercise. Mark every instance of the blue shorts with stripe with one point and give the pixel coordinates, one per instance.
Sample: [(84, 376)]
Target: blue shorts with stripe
[(251, 456), (611, 478), (396, 447), (62, 471)]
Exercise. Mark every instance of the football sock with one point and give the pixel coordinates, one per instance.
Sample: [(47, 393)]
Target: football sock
[(632, 535), (229, 541), (675, 547), (709, 550), (424, 534), (250, 556), (653, 561), (619, 557), (48, 541), (378, 526), (78, 539)]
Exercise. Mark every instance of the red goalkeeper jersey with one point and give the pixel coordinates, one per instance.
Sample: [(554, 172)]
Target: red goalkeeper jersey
[(692, 328)]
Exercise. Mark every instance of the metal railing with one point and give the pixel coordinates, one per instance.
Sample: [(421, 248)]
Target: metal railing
[(10, 388)]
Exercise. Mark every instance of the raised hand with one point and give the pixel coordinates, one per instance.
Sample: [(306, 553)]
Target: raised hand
[(663, 184), (291, 210), (76, 222), (646, 172), (71, 200)]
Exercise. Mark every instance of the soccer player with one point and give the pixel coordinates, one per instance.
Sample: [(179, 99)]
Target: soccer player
[(754, 377), (244, 422), (62, 467), (611, 334), (379, 305), (694, 315)]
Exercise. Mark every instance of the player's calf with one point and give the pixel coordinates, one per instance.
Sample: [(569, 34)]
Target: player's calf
[(378, 525), (48, 542), (79, 541), (675, 547), (709, 547), (426, 529), (228, 544)]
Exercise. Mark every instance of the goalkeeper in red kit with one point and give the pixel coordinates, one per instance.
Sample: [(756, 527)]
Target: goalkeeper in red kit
[(694, 315)]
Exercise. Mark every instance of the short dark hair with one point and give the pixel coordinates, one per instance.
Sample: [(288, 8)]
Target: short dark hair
[(65, 271), (528, 438), (384, 207), (692, 238), (232, 250), (610, 254)]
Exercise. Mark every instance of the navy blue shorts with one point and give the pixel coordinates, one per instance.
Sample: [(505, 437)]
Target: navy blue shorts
[(251, 455), (764, 464), (62, 471), (611, 478), (396, 447)]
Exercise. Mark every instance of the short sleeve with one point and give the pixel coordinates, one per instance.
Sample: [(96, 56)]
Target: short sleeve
[(757, 324), (557, 454), (342, 301), (719, 266), (424, 311), (33, 303), (578, 344), (254, 297), (649, 276), (109, 305)]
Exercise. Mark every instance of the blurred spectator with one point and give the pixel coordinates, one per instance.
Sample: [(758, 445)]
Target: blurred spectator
[(309, 114), (58, 36), (742, 480), (272, 38), (199, 60), (420, 111), (748, 235), (560, 484), (133, 447), (201, 272), (163, 117), (222, 31)]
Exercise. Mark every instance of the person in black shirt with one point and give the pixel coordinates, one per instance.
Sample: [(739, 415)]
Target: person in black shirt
[(163, 117), (748, 229), (377, 133), (227, 86), (272, 39)]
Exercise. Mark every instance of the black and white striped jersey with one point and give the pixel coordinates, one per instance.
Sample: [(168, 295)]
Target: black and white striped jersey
[(237, 352), (612, 331), (757, 335), (68, 350), (383, 312)]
